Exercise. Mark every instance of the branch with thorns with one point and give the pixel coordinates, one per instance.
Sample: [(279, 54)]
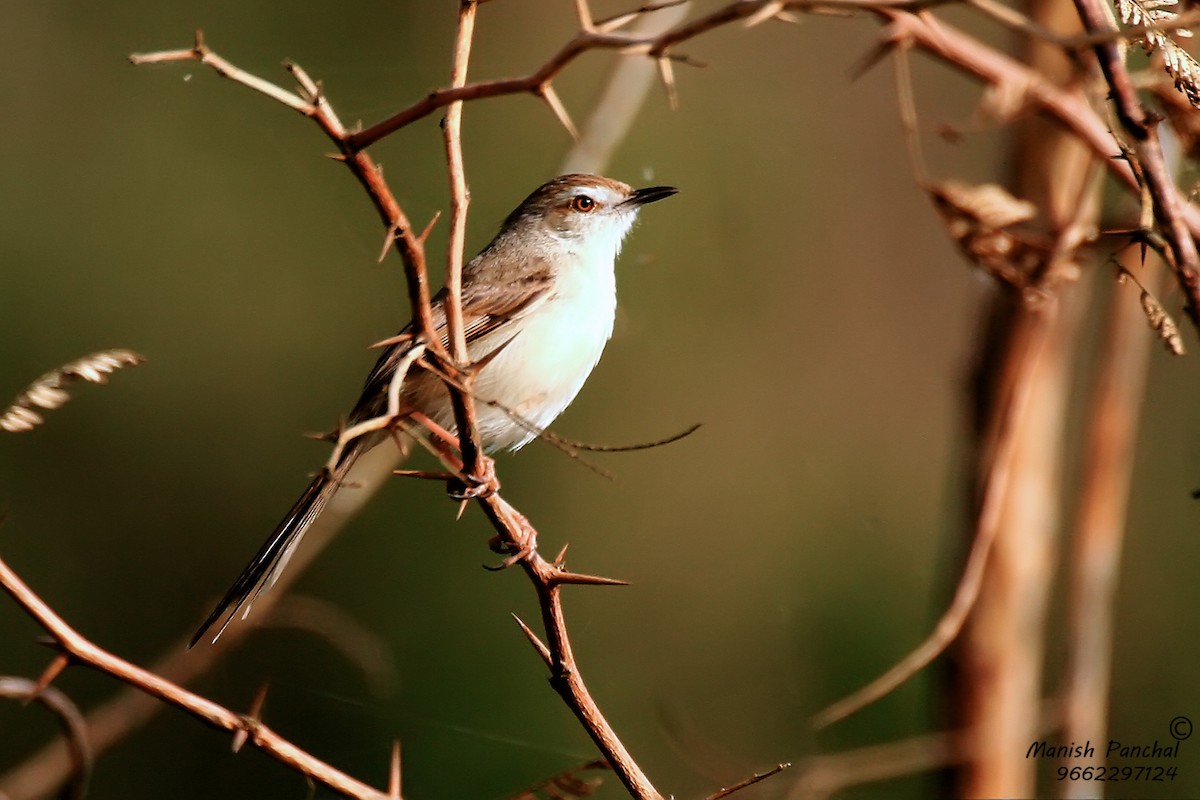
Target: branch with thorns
[(74, 648)]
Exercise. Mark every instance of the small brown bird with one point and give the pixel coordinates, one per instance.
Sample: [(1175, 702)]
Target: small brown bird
[(544, 290)]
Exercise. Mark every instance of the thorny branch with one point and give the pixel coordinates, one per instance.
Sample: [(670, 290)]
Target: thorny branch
[(1142, 128), (81, 650)]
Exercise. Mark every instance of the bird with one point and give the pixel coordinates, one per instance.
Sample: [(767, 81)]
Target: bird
[(538, 305)]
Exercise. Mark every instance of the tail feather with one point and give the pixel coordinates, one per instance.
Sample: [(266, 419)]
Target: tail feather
[(264, 569)]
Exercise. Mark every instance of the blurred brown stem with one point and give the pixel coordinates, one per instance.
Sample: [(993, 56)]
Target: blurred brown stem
[(1095, 554), (1031, 343)]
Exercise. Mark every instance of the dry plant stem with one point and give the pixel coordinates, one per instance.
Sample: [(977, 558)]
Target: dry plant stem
[(987, 524), (548, 579), (748, 782), (1095, 557), (459, 198), (1142, 128), (314, 105), (595, 37), (1003, 434), (1068, 107), (463, 402), (622, 97), (1000, 657), (89, 654), (824, 775), (130, 708), (73, 725)]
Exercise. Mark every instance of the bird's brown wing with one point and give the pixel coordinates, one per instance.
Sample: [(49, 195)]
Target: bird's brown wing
[(487, 306)]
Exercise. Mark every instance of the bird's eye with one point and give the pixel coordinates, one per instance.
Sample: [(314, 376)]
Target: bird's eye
[(582, 203)]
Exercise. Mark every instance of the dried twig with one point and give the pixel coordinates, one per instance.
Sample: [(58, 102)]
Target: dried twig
[(748, 782), (357, 644), (1098, 535), (89, 654), (74, 728), (463, 401)]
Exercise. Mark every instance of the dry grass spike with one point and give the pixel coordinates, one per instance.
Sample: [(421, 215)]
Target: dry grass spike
[(50, 391), (1177, 61), (1158, 317)]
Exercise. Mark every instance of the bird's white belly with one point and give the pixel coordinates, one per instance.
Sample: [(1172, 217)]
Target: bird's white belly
[(541, 370)]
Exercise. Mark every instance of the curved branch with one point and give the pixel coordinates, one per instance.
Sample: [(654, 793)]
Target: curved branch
[(72, 722), (87, 653)]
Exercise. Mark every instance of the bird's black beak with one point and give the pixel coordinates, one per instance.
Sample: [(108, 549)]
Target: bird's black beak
[(652, 194)]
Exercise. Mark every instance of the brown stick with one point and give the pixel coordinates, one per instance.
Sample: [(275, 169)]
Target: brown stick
[(89, 654), (565, 677), (1095, 557), (464, 403)]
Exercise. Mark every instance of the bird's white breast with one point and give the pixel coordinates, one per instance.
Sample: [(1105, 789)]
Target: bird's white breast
[(538, 374)]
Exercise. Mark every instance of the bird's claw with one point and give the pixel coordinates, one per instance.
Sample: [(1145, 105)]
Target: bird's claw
[(512, 555), (482, 483)]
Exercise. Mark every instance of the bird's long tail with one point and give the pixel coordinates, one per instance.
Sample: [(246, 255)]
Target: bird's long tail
[(264, 569)]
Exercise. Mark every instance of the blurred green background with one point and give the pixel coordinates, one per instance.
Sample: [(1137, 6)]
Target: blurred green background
[(798, 297)]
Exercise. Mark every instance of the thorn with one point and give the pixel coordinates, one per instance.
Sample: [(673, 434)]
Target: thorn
[(462, 507), (789, 17), (547, 93), (52, 671), (394, 773), (328, 436), (475, 367), (425, 474), (403, 336), (691, 61), (429, 228), (541, 649), (339, 157), (585, 580), (389, 239), (558, 559), (666, 74), (585, 16), (251, 718), (763, 14), (871, 58), (302, 78), (199, 45), (620, 20)]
